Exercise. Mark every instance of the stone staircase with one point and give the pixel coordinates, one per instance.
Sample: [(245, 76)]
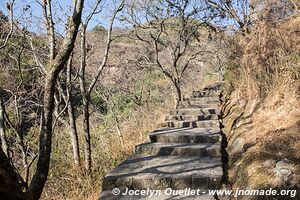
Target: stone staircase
[(184, 154)]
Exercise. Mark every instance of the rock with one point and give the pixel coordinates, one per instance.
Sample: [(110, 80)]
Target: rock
[(283, 170), (238, 145), (283, 164)]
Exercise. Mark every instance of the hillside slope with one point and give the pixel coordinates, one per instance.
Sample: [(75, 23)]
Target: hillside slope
[(261, 110)]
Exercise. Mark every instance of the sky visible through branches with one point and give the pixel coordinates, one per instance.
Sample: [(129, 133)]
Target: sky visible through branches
[(29, 14)]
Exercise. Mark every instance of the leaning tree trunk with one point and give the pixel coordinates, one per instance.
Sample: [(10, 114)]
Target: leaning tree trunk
[(40, 177), (55, 67)]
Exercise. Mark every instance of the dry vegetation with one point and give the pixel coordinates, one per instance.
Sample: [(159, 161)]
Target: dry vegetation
[(67, 182), (262, 107), (143, 97), (260, 62)]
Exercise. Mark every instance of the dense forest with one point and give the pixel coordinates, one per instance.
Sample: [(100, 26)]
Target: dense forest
[(83, 82)]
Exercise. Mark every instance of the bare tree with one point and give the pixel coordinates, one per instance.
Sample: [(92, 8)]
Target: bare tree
[(176, 34), (86, 88), (14, 96), (64, 92), (56, 65), (239, 11)]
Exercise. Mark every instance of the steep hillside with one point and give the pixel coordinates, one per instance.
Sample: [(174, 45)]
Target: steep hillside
[(261, 110)]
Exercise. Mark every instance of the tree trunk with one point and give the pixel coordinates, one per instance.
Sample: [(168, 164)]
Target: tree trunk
[(73, 135), (72, 122), (56, 66), (85, 103), (3, 138), (86, 92), (40, 177), (177, 95), (120, 135), (87, 136)]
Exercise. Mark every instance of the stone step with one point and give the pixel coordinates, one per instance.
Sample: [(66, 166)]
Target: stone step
[(194, 111), (180, 149), (187, 104), (200, 101), (214, 89), (186, 154), (157, 195), (193, 124), (207, 89), (203, 99), (191, 117), (206, 93), (186, 135), (161, 172)]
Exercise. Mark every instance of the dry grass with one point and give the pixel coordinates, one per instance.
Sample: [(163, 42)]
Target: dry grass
[(270, 133), (266, 57), (67, 182), (263, 124)]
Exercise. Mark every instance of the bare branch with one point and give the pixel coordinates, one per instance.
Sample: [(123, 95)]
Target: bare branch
[(11, 12), (107, 48)]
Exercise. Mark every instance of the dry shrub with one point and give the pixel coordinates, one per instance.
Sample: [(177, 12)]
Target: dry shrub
[(264, 69), (268, 56), (268, 133)]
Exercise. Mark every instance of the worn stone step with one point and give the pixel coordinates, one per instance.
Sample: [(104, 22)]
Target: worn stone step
[(193, 124), (213, 87), (186, 135), (202, 99), (206, 93), (180, 149), (187, 104), (209, 90), (194, 111), (161, 172), (156, 195), (191, 117)]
